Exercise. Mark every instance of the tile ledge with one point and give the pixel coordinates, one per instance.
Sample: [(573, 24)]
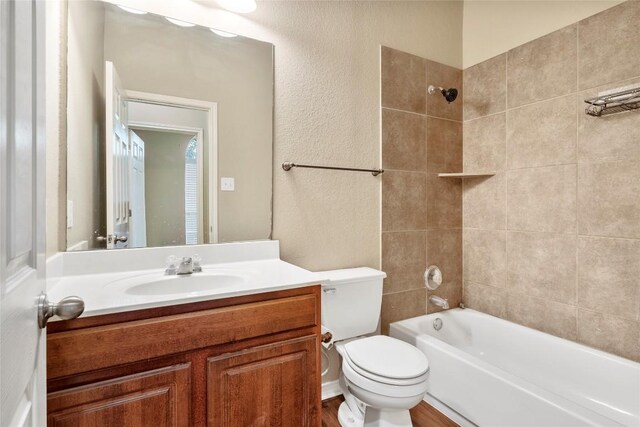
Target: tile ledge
[(464, 175)]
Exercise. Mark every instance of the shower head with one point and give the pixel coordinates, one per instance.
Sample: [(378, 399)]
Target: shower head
[(449, 94)]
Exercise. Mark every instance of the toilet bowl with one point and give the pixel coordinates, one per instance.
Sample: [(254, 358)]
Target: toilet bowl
[(381, 377)]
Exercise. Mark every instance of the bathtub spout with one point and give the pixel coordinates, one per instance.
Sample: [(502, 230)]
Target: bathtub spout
[(440, 302)]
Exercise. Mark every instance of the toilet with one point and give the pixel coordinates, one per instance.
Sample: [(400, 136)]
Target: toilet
[(381, 377)]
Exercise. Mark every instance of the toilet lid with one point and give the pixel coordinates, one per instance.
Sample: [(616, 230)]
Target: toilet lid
[(387, 357)]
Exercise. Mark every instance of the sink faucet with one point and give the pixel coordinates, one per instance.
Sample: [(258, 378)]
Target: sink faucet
[(185, 266), (438, 301)]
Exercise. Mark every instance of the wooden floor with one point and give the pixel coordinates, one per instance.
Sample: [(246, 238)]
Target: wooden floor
[(422, 415)]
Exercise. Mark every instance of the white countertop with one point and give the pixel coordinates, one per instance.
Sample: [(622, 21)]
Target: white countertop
[(90, 276), (102, 295)]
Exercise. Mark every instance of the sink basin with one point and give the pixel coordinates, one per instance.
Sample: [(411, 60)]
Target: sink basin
[(205, 282)]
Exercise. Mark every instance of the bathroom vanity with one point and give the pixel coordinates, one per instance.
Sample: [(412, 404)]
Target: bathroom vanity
[(193, 358)]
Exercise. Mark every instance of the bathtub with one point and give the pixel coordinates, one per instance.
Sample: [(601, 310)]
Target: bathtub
[(490, 372)]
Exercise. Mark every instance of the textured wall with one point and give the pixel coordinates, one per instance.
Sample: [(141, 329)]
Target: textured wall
[(552, 241), (327, 110), (237, 74), (493, 27), (85, 127), (56, 32), (421, 212)]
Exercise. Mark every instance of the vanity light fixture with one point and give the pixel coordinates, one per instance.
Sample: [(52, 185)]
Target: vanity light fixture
[(223, 33), (238, 6), (179, 22), (132, 10)]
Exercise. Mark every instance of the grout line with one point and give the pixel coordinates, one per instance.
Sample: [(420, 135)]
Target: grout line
[(403, 111), (485, 116), (405, 291), (577, 233), (559, 233), (444, 118), (525, 105), (541, 167), (506, 156)]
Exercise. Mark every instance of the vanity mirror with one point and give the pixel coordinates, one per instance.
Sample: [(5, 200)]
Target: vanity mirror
[(169, 131)]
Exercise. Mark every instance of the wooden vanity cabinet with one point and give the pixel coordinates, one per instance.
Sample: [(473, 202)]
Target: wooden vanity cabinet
[(245, 361)]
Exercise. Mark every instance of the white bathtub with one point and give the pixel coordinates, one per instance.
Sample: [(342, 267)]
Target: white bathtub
[(491, 372)]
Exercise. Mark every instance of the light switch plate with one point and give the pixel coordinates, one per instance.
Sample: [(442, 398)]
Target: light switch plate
[(227, 184), (69, 213)]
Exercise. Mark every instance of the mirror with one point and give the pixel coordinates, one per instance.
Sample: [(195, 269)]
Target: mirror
[(169, 131)]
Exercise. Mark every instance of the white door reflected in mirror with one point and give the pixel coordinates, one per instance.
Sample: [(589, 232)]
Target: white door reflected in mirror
[(160, 81)]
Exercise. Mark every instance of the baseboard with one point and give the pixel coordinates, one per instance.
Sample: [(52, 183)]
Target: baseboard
[(331, 389)]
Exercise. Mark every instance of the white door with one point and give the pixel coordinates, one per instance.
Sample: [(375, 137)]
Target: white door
[(22, 215), (117, 161), (138, 221)]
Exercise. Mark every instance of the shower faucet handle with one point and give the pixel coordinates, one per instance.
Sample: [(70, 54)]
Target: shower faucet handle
[(432, 278)]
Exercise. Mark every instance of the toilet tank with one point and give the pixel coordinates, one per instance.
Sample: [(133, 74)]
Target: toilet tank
[(351, 301)]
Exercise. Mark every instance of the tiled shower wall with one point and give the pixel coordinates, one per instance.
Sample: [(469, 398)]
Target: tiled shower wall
[(552, 241), (421, 213)]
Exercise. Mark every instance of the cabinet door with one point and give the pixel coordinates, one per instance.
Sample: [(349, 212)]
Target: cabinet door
[(274, 385), (154, 398)]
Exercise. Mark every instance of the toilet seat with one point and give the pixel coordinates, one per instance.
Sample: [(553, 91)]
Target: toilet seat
[(380, 388), (387, 360), (385, 366)]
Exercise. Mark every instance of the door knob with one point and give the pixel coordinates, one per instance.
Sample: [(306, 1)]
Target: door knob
[(68, 308)]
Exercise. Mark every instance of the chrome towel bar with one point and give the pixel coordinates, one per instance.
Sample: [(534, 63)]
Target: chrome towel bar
[(287, 166)]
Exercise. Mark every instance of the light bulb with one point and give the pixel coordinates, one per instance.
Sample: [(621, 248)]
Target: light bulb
[(179, 22), (223, 33)]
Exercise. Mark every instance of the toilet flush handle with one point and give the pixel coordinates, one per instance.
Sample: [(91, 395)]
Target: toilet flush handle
[(329, 291)]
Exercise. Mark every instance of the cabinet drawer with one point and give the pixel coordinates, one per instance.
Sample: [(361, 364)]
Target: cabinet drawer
[(94, 348), (161, 397)]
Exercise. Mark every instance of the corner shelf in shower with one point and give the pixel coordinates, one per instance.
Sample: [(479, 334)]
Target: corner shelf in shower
[(465, 175)]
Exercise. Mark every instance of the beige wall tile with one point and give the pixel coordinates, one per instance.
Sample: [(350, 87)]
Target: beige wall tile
[(609, 45), (542, 199), (444, 249), (609, 276), (542, 265), (485, 258), (541, 314), (444, 198), (400, 306), (403, 201), (404, 145), (403, 81), (485, 88), (609, 199), (484, 202), (542, 134), (542, 68), (404, 260), (445, 77), (484, 147), (444, 145), (612, 334), (608, 138), (486, 299)]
